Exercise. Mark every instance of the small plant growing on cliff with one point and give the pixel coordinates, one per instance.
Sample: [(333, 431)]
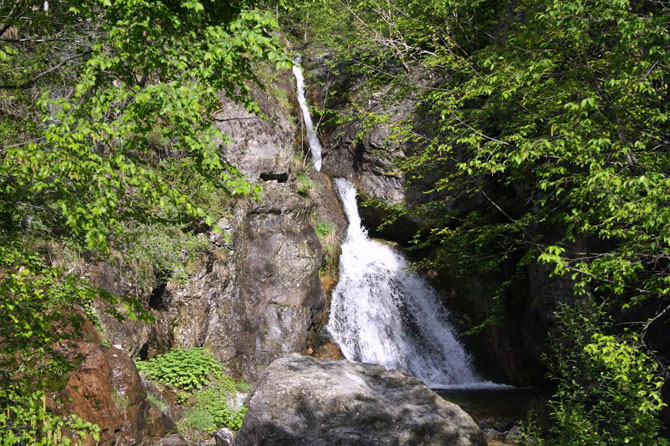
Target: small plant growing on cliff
[(329, 240), (182, 368), (207, 395), (213, 408), (304, 184)]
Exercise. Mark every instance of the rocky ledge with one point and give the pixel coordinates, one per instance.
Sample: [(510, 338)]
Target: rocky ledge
[(304, 401)]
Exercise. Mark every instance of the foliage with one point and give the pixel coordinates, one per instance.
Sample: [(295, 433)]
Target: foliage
[(331, 244), (157, 250), (106, 123), (24, 419), (540, 136), (210, 410), (209, 394), (609, 390), (182, 368), (324, 229)]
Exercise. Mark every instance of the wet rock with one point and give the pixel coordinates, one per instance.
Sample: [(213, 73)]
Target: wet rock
[(329, 350), (224, 437), (492, 434), (303, 401), (513, 435)]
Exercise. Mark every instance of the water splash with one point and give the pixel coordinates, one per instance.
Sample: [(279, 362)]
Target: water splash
[(384, 313), (314, 144)]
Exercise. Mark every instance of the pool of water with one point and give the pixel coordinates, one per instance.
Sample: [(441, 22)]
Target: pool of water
[(499, 408)]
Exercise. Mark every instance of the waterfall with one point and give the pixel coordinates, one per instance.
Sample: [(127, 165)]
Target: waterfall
[(314, 144), (384, 313)]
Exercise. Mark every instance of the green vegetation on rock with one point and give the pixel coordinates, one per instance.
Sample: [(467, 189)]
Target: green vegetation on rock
[(206, 393), (182, 368)]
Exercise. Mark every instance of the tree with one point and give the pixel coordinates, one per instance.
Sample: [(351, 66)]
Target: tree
[(544, 140), (107, 121)]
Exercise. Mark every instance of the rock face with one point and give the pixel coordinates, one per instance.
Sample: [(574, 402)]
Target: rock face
[(366, 152), (280, 297), (106, 389), (261, 148), (258, 296), (303, 401)]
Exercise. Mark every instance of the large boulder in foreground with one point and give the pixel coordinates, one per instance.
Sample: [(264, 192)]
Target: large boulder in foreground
[(304, 401)]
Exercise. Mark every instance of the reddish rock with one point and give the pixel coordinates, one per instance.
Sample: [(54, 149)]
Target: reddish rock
[(329, 350), (106, 389)]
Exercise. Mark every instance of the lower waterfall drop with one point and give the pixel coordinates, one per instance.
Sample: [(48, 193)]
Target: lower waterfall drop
[(384, 313)]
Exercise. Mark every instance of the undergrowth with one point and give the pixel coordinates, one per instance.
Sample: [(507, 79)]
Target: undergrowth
[(206, 394)]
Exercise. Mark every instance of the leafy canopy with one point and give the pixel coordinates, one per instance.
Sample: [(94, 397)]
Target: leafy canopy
[(106, 123), (541, 135)]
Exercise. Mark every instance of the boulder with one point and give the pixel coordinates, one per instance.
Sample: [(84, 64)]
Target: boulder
[(106, 389), (224, 437), (304, 401)]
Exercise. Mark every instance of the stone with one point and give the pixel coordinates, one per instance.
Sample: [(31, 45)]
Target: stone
[(172, 440), (224, 437), (106, 389), (304, 401), (261, 148), (492, 434), (257, 296), (513, 435)]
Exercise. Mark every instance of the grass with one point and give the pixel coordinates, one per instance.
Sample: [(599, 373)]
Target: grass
[(304, 184)]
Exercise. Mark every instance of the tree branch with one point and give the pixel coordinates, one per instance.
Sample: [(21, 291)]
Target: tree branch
[(29, 83)]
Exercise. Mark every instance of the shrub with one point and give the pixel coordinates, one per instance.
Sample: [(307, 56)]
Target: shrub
[(24, 419), (182, 368), (212, 409), (609, 388), (206, 393)]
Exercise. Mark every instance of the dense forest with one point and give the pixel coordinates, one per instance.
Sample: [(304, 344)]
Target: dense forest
[(540, 138)]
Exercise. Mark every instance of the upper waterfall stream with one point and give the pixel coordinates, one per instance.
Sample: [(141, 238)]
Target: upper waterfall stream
[(314, 144), (384, 313)]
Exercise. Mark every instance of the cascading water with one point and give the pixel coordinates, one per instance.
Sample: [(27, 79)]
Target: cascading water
[(384, 313), (314, 144)]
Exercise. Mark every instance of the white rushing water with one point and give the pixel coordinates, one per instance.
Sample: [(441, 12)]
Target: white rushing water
[(384, 313), (314, 144)]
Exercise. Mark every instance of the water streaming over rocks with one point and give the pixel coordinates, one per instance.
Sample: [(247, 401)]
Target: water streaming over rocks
[(384, 313), (314, 144)]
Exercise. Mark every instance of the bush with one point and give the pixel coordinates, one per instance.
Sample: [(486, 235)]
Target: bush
[(24, 419), (609, 391), (206, 393), (182, 368), (211, 409)]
